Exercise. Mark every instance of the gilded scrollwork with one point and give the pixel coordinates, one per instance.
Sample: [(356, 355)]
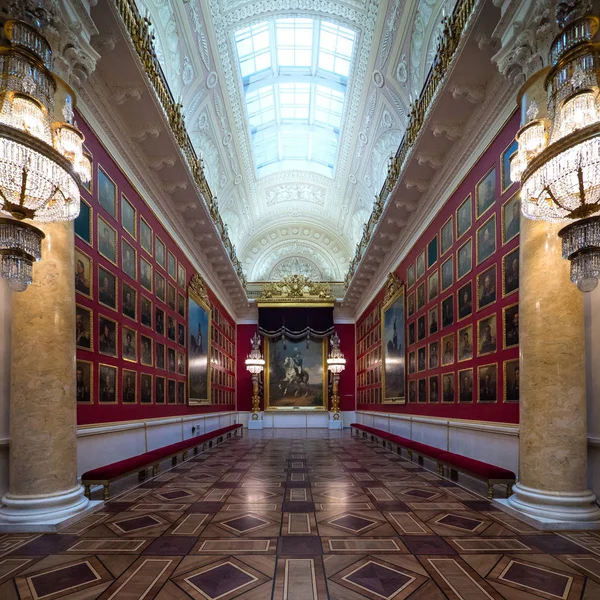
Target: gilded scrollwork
[(296, 288)]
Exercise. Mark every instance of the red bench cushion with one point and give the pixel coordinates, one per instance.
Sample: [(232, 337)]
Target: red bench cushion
[(476, 467)]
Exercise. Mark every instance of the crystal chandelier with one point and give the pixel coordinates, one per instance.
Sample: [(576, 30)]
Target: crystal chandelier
[(558, 158), (255, 363), (336, 363), (41, 150)]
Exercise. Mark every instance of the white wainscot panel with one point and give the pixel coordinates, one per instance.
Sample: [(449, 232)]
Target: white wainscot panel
[(211, 423), (3, 470), (431, 433), (289, 421), (317, 420), (594, 467), (381, 422), (163, 433), (348, 417), (101, 446), (400, 427), (243, 418), (268, 420)]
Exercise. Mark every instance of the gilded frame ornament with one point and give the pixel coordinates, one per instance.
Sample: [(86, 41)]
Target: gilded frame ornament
[(198, 296)]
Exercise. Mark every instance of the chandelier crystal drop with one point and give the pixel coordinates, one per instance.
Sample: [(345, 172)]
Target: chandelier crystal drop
[(20, 247)]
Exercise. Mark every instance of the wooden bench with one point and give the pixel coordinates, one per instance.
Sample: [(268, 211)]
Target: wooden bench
[(108, 473), (490, 474)]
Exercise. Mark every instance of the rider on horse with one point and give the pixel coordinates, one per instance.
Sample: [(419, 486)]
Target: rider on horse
[(298, 360)]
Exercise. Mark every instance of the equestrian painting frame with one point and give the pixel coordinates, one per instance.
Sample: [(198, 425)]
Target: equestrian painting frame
[(295, 375), (393, 376), (199, 336)]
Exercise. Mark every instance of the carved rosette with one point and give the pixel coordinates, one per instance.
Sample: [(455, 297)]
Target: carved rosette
[(198, 288), (392, 286), (296, 288)]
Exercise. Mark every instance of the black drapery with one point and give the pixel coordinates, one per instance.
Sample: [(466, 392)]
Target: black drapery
[(295, 323)]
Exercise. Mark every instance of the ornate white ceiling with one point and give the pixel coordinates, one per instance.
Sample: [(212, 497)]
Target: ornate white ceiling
[(296, 220)]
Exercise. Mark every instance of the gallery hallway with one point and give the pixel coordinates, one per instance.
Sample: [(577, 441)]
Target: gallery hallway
[(299, 515)]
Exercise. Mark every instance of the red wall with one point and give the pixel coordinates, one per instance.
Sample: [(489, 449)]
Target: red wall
[(499, 411), (244, 380), (95, 412)]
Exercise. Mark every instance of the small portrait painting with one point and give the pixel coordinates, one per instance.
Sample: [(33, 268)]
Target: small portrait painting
[(181, 279), (171, 391), (181, 334), (172, 266), (448, 387), (129, 344), (510, 317), (465, 385), (433, 320), (159, 353), (486, 240), (146, 388), (411, 333), (159, 320), (145, 236), (422, 391), (412, 363), (159, 390), (432, 251), (447, 273), (421, 296), (432, 285), (171, 360), (464, 259), (171, 296), (465, 343), (171, 330), (434, 390), (128, 259), (446, 236), (485, 192), (410, 275), (486, 287), (107, 336), (421, 331), (511, 380), (129, 295), (434, 355), (181, 305), (181, 392), (160, 287), (511, 219), (83, 222), (107, 240), (505, 165), (487, 379), (146, 354), (486, 336), (107, 288), (128, 216), (412, 391), (180, 363), (83, 327), (84, 382), (83, 273), (464, 217), (160, 252), (421, 265), (448, 350), (107, 193), (448, 311), (107, 384), (146, 312), (128, 387), (145, 274), (421, 359), (411, 304), (465, 301), (510, 272)]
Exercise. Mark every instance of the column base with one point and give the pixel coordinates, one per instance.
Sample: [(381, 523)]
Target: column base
[(255, 423), (44, 513), (552, 510), (335, 423)]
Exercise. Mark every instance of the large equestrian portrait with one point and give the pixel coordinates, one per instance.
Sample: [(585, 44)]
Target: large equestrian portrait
[(295, 375)]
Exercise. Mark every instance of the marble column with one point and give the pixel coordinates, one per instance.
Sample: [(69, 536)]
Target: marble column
[(43, 489), (552, 488)]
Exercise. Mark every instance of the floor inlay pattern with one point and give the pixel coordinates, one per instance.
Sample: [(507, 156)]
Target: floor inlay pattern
[(299, 515)]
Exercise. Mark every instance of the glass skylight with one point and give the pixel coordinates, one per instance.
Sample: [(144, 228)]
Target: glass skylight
[(295, 75)]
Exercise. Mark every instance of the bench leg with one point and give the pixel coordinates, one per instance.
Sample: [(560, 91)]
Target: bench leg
[(490, 493), (184, 457), (409, 455), (440, 467), (195, 450), (142, 475), (420, 460), (106, 492), (88, 493), (509, 490), (399, 451), (453, 474), (174, 461), (155, 469)]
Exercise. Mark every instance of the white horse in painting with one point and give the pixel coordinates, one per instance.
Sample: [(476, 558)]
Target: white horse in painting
[(293, 379)]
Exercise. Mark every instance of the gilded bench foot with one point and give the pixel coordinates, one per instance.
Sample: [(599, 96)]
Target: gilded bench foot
[(174, 461), (490, 493), (106, 492), (88, 493)]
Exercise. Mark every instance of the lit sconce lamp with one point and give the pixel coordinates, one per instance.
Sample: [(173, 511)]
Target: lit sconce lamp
[(336, 363), (255, 364)]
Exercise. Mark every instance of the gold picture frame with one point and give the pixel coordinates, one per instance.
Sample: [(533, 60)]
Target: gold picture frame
[(394, 303), (198, 311)]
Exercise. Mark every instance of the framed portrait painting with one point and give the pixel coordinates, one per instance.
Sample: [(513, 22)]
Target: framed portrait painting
[(393, 359), (296, 376), (199, 324)]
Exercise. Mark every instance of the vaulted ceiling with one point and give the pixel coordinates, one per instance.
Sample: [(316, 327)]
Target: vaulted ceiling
[(295, 107)]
